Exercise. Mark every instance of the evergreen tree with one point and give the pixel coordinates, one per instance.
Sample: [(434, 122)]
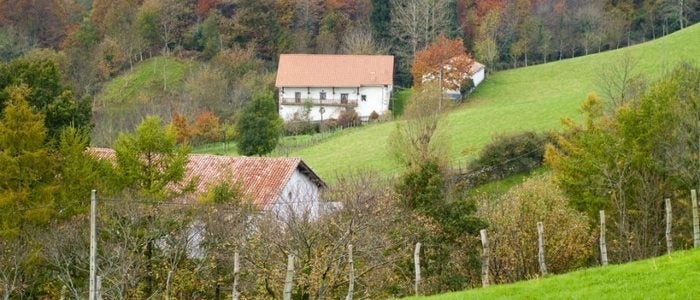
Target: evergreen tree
[(149, 161), (380, 18), (27, 176), (78, 172), (260, 126)]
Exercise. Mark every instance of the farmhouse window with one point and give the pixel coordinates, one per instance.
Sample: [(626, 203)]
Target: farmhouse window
[(297, 97), (364, 97), (344, 98), (322, 96)]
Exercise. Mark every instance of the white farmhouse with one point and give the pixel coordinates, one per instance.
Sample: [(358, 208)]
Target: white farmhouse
[(330, 84)]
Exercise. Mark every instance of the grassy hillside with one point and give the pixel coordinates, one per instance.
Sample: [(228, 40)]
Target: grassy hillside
[(667, 277), (149, 79), (531, 98), (149, 88)]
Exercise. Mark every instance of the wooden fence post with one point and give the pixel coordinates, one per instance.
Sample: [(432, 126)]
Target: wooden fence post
[(696, 219), (603, 246), (540, 247), (669, 238), (236, 271), (351, 277), (287, 295), (98, 287), (484, 258), (416, 262), (167, 285)]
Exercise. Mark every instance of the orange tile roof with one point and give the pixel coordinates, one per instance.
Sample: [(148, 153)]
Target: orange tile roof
[(261, 178), (323, 70)]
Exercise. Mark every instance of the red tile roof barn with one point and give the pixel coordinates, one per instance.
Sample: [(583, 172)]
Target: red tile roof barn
[(261, 178), (323, 70)]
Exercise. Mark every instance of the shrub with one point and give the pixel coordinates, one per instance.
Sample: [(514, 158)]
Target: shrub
[(329, 125), (206, 128), (299, 127), (374, 116), (513, 231), (508, 155), (349, 118)]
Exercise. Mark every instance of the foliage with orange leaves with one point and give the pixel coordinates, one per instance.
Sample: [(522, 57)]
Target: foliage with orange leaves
[(206, 127), (182, 129), (446, 55)]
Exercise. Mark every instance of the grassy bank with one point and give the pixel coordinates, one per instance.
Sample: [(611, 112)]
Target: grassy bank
[(667, 277)]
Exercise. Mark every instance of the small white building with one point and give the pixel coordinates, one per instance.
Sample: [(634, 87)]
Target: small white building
[(277, 185), (476, 72), (331, 84)]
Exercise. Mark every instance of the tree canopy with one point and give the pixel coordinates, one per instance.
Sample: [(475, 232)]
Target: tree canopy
[(445, 60), (27, 178), (149, 160), (260, 127), (47, 94)]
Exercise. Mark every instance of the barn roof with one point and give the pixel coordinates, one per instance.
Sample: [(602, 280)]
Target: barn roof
[(262, 179), (324, 70)]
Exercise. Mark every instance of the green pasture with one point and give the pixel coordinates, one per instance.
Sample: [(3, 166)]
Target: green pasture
[(666, 277)]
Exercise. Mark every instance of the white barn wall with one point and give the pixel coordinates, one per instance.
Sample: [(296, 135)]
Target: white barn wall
[(478, 77), (300, 196)]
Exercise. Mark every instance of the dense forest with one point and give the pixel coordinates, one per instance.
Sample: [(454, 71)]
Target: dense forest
[(208, 57), (101, 38)]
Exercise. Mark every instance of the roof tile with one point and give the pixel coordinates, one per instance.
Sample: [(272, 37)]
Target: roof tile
[(323, 70), (262, 178)]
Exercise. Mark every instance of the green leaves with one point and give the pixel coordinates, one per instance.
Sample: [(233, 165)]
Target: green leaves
[(26, 179), (260, 126), (149, 160), (45, 92)]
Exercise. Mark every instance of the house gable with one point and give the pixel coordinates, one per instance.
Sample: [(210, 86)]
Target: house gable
[(262, 179)]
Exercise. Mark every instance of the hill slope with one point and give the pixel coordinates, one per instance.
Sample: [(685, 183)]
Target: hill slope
[(149, 88), (667, 277), (530, 98)]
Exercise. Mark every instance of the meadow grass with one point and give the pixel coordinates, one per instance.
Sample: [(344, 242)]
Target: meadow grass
[(666, 277), (145, 81), (533, 98)]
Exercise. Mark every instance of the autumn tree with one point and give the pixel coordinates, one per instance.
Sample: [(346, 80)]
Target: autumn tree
[(206, 127), (259, 127), (255, 24), (149, 161), (183, 132), (486, 44), (445, 59)]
